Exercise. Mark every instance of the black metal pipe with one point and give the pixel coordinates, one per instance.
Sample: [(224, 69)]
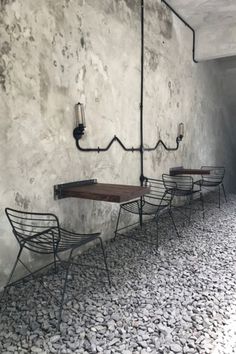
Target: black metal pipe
[(141, 93), (160, 142), (194, 41), (98, 149), (186, 24), (132, 149)]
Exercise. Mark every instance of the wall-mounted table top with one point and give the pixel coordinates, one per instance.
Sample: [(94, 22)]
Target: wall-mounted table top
[(188, 171), (116, 193)]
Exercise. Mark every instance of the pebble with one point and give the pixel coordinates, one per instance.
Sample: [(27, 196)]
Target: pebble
[(179, 299), (176, 348), (55, 338), (37, 350)]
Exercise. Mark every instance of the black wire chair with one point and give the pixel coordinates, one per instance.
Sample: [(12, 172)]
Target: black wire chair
[(41, 233), (184, 188), (153, 205), (213, 181)]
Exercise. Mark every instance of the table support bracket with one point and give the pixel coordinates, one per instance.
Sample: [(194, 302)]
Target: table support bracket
[(60, 188)]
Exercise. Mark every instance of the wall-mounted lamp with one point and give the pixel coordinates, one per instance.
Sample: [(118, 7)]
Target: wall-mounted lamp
[(80, 121), (78, 132)]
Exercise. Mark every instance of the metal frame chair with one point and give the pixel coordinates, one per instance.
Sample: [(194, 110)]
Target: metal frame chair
[(184, 187), (213, 181), (153, 204), (41, 233)]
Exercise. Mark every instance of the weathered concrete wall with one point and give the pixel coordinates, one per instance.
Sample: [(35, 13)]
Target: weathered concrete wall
[(214, 25), (216, 41), (56, 53)]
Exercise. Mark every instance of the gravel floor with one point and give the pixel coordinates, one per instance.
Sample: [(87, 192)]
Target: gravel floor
[(180, 298)]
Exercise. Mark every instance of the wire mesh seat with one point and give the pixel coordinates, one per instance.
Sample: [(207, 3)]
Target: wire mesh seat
[(213, 181), (153, 204), (184, 187), (41, 233)]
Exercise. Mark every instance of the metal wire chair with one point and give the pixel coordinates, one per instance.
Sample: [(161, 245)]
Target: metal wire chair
[(184, 187), (41, 233), (154, 204), (213, 181)]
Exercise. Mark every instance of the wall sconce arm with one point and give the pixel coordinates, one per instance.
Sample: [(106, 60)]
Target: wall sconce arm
[(99, 149), (160, 142), (78, 132)]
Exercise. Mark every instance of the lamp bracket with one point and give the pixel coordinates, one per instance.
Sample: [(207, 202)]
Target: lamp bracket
[(116, 139)]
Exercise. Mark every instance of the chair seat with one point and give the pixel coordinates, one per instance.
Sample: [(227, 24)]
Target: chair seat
[(147, 208), (203, 183), (71, 240), (182, 192), (42, 243)]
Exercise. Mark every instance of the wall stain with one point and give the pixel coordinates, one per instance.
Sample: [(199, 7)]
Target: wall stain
[(3, 81), (3, 3), (132, 4), (82, 42), (117, 8), (64, 50), (166, 21), (164, 17), (2, 73), (44, 86), (5, 48), (14, 31), (170, 88), (21, 201), (152, 58), (56, 12), (2, 65)]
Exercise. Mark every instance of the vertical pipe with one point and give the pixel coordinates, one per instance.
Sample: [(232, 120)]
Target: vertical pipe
[(194, 45), (141, 108), (141, 92)]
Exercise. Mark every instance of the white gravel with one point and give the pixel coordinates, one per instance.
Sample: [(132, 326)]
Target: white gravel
[(179, 299)]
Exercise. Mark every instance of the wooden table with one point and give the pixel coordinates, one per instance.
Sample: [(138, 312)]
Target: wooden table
[(188, 171), (116, 193)]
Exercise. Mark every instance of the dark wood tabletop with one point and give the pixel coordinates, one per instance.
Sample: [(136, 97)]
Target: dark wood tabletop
[(188, 171), (116, 193)]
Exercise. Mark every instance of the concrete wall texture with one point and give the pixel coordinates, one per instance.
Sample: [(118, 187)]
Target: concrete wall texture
[(209, 37), (214, 25), (56, 53)]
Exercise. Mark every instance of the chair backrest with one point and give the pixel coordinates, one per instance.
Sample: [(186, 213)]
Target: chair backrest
[(183, 183), (38, 232), (216, 175), (157, 194)]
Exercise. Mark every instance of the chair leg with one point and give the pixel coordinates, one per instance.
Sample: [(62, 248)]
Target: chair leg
[(219, 195), (202, 202), (173, 221), (117, 224), (64, 289), (157, 228), (11, 275), (55, 246), (141, 216), (190, 209), (223, 188), (105, 261)]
